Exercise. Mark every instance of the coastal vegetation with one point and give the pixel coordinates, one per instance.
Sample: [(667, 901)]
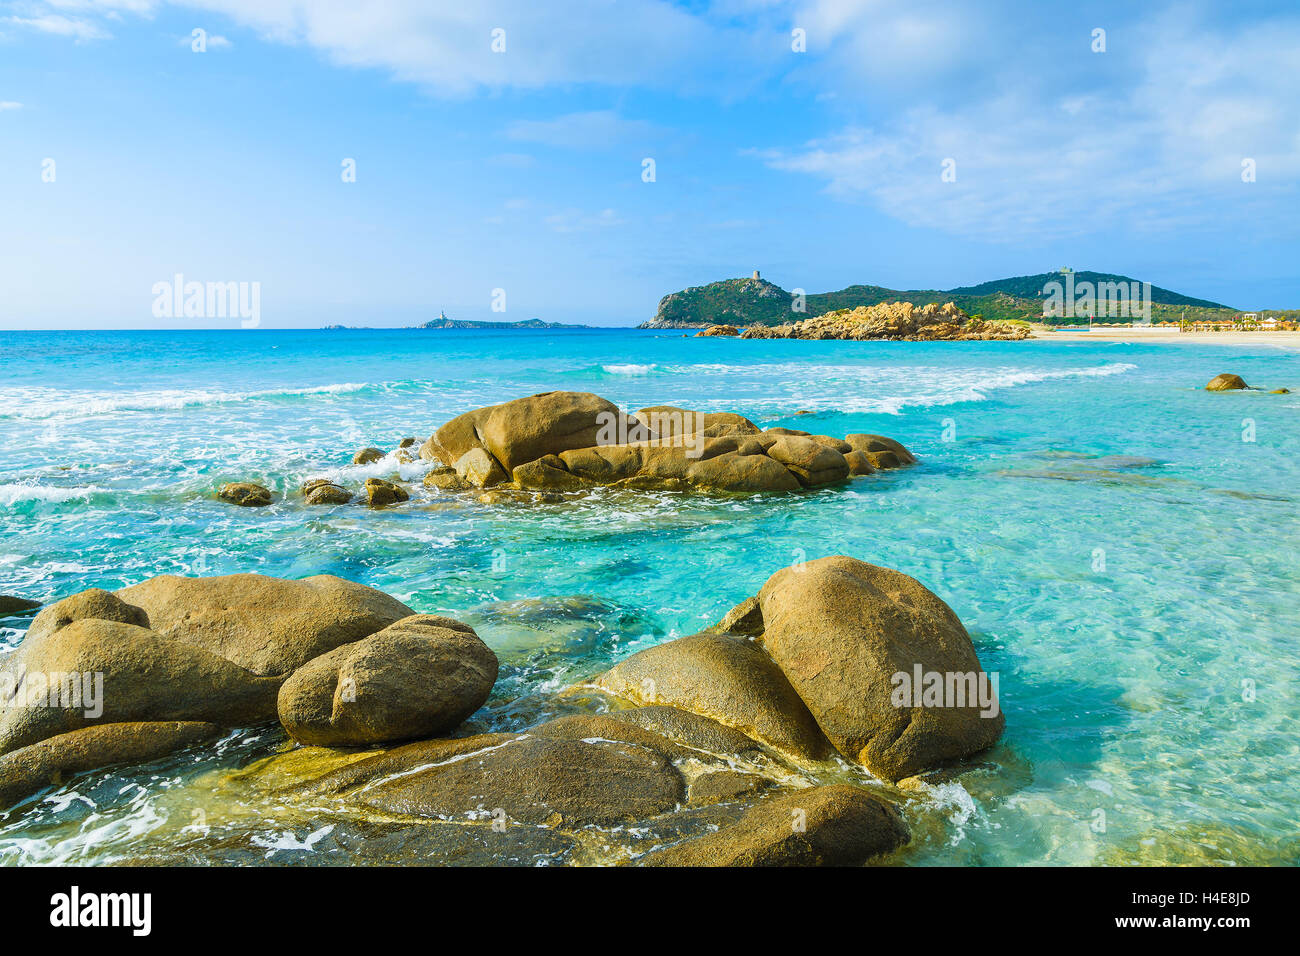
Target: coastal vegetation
[(756, 301)]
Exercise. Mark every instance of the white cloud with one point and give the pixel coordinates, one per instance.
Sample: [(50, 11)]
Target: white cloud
[(10, 105), (576, 220), (589, 130), (59, 25), (1159, 151)]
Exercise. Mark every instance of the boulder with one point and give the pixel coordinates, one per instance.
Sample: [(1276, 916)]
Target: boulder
[(29, 769), (245, 493), (478, 468), (533, 779), (419, 677), (94, 671), (267, 625), (723, 677), (836, 825), (727, 330), (841, 630), (367, 455), (380, 493), (1225, 383)]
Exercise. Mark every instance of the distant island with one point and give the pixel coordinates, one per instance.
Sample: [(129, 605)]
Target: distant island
[(442, 322), (756, 302)]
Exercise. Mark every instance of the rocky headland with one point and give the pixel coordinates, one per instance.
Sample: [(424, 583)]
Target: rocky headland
[(776, 737), (898, 321)]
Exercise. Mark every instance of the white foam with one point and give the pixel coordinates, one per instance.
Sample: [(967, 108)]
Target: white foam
[(630, 369), (15, 494), (40, 402)]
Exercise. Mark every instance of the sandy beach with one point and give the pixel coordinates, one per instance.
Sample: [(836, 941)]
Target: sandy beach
[(1163, 335)]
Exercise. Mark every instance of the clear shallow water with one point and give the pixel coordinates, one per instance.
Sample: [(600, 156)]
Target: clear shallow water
[(1123, 600)]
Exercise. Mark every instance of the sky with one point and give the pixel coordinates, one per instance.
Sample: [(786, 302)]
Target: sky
[(576, 160)]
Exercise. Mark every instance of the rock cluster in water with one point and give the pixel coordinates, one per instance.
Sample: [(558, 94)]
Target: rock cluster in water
[(567, 441), (688, 753), (575, 441), (894, 320)]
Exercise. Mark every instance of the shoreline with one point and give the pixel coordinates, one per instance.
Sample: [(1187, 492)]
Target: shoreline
[(1163, 336)]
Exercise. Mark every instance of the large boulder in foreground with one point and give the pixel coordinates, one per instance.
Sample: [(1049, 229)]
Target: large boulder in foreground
[(535, 778), (1226, 383), (264, 624), (726, 678), (835, 825), (94, 671), (846, 634), (30, 769), (420, 677)]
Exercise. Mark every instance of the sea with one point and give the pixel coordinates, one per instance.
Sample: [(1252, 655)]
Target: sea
[(1122, 546)]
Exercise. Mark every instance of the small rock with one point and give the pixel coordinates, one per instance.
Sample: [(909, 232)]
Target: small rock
[(245, 493), (326, 493), (366, 455), (480, 469), (380, 492), (1225, 383), (446, 479)]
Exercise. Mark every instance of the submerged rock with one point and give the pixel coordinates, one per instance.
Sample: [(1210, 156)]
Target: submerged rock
[(16, 605), (1226, 383), (245, 493), (29, 769), (835, 825), (530, 779), (419, 677)]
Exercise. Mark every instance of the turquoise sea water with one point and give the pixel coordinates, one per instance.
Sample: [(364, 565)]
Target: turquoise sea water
[(1123, 557)]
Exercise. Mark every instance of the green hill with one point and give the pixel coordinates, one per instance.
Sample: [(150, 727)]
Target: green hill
[(755, 301)]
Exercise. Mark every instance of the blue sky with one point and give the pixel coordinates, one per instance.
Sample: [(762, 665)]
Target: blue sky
[(522, 170)]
